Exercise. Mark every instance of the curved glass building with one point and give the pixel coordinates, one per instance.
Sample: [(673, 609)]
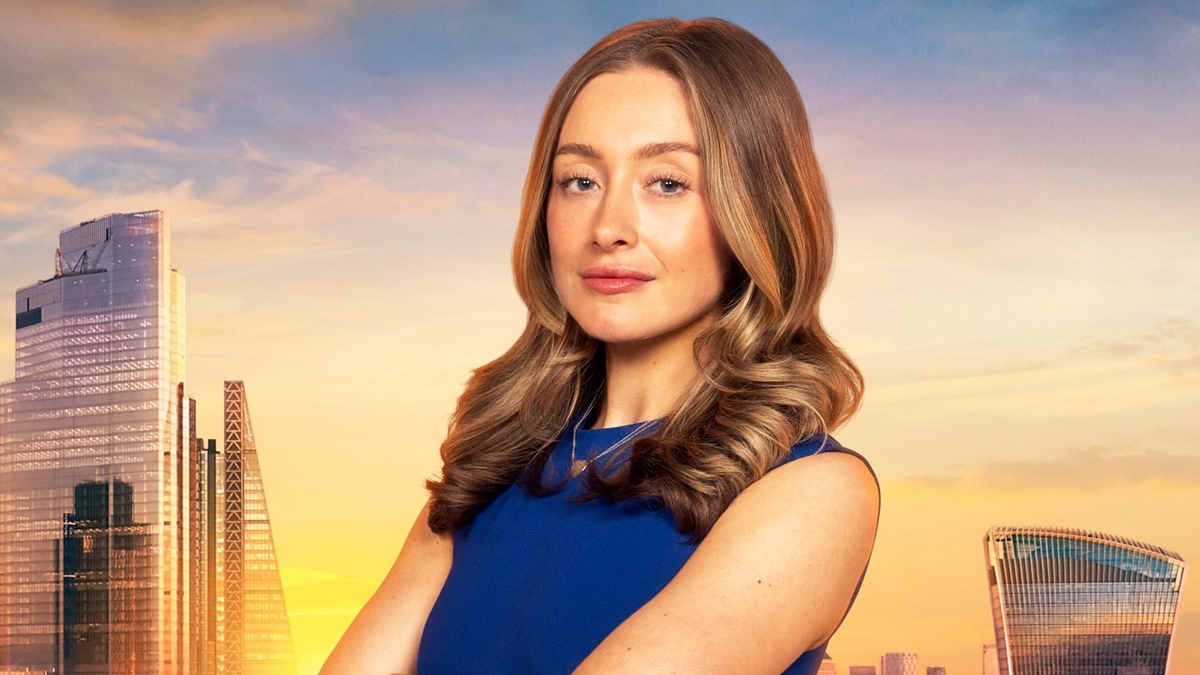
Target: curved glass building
[(1075, 602)]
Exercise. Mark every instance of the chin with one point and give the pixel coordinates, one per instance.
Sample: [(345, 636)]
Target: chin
[(612, 331), (615, 336), (628, 331)]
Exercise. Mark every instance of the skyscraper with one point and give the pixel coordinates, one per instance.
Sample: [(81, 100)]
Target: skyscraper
[(99, 357), (257, 638), (1075, 602), (113, 517), (898, 663)]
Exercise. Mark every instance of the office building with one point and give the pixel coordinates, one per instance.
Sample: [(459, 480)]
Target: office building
[(898, 663), (111, 532), (991, 665), (1075, 602), (107, 571), (99, 358), (257, 637), (827, 667), (935, 670), (862, 670), (210, 491)]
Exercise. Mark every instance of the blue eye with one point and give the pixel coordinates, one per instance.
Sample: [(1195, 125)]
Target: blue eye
[(669, 186), (577, 184)]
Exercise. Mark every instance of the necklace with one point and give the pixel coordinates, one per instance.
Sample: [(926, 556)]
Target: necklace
[(578, 465)]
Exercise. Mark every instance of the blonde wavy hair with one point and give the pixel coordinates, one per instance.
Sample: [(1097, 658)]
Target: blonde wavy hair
[(770, 375)]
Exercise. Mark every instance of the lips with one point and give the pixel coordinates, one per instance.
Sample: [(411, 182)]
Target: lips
[(613, 279)]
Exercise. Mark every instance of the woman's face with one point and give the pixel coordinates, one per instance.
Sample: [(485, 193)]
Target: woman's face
[(633, 248)]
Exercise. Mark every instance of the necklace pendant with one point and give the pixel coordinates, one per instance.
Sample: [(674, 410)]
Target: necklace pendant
[(577, 467)]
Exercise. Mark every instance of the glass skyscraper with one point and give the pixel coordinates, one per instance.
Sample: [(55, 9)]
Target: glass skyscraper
[(92, 422), (1075, 602), (257, 635), (111, 512)]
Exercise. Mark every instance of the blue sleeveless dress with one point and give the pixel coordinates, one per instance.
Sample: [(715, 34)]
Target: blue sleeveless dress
[(537, 583)]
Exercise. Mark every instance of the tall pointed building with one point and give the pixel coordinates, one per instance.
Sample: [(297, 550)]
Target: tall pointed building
[(112, 514), (257, 638)]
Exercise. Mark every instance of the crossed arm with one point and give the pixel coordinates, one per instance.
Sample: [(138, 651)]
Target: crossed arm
[(385, 635), (772, 580)]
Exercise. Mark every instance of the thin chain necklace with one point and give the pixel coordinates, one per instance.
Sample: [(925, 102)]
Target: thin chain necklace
[(578, 465)]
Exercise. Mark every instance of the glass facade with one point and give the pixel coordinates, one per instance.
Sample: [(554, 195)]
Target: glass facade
[(1075, 602), (107, 580), (898, 663), (93, 410), (113, 522), (257, 637), (211, 488)]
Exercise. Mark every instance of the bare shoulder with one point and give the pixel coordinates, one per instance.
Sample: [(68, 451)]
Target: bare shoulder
[(835, 480), (772, 580), (815, 514)]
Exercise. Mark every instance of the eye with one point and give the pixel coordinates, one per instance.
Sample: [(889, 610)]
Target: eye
[(669, 185), (577, 183)]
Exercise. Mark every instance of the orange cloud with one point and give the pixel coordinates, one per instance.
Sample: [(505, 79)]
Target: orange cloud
[(1087, 470)]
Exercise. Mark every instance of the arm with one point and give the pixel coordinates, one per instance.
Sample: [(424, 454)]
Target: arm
[(384, 637), (772, 579)]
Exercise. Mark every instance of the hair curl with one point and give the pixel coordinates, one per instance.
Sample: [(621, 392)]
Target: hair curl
[(769, 373)]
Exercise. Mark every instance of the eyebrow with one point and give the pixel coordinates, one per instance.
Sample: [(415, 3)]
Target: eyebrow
[(645, 152)]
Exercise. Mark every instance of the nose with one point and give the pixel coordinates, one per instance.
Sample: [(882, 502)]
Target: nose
[(616, 221)]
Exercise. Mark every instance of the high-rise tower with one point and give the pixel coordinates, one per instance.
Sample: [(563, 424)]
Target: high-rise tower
[(257, 637), (1074, 602), (127, 545), (93, 453)]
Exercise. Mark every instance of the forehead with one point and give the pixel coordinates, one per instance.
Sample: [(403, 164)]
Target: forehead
[(629, 108)]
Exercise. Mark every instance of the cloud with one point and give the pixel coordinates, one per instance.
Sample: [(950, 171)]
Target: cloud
[(1083, 377), (80, 76), (1082, 470), (1172, 345)]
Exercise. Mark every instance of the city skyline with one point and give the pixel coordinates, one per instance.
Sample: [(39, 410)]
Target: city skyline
[(128, 544), (95, 446), (1015, 271)]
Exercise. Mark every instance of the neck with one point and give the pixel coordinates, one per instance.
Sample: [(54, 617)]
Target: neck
[(644, 380)]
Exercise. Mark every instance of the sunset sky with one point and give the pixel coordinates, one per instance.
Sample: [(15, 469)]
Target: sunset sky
[(1018, 274)]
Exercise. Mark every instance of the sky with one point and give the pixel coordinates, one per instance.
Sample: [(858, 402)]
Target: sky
[(1018, 270)]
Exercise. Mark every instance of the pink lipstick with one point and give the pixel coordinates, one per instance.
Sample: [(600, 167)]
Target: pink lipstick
[(612, 279)]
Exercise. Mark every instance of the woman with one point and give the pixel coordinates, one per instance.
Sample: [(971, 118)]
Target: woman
[(643, 483)]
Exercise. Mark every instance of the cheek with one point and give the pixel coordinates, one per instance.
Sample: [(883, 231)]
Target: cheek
[(559, 244), (712, 257)]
